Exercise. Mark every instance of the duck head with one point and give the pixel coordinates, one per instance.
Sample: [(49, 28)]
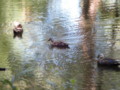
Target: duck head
[(50, 39), (17, 25), (100, 56)]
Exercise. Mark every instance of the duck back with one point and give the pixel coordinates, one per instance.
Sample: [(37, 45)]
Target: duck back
[(108, 62)]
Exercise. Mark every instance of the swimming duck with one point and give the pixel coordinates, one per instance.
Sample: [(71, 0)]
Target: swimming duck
[(107, 61), (18, 30), (58, 44)]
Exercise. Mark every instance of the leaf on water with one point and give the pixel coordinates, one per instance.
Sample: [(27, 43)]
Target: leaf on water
[(73, 81)]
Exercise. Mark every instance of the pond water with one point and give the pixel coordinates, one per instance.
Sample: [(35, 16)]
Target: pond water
[(90, 27)]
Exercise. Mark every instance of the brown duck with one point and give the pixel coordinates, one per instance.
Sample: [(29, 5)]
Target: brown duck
[(58, 44), (18, 30)]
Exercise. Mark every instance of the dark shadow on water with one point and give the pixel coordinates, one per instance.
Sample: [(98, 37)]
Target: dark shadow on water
[(17, 34), (110, 68), (2, 69)]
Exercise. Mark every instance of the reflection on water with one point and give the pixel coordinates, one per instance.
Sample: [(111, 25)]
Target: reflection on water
[(89, 27)]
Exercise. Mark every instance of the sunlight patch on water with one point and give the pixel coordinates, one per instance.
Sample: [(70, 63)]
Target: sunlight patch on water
[(71, 8)]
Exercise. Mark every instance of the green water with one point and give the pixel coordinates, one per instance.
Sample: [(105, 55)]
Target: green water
[(89, 27)]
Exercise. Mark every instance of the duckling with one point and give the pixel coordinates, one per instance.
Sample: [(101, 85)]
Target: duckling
[(18, 30), (58, 44), (107, 61)]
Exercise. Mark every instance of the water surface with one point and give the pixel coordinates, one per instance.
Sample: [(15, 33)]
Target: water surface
[(89, 27)]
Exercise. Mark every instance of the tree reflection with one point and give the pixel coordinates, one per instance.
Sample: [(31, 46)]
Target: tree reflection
[(114, 28), (87, 24)]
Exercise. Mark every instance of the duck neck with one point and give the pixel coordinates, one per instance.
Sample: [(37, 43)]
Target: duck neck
[(51, 40)]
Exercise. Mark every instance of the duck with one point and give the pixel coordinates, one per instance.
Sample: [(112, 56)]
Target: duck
[(58, 44), (18, 30), (103, 61), (2, 69)]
